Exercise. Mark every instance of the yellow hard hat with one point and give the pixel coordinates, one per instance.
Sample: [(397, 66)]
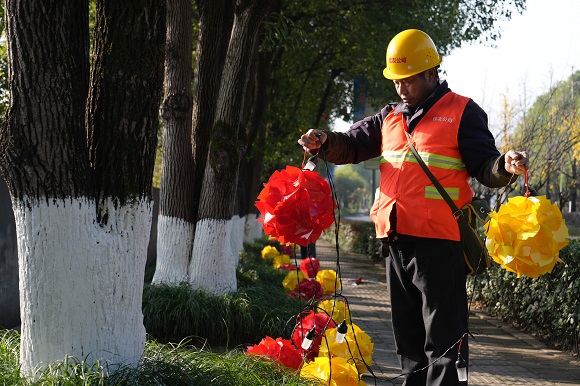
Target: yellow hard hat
[(410, 52)]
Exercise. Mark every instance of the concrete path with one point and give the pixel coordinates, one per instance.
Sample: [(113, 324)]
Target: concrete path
[(500, 355)]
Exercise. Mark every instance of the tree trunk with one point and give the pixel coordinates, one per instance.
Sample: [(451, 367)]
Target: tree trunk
[(212, 264), (249, 184), (175, 221), (82, 210), (245, 135), (186, 144), (123, 121), (215, 27), (9, 303)]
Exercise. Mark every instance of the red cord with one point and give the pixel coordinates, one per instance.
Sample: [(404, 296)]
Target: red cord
[(527, 193)]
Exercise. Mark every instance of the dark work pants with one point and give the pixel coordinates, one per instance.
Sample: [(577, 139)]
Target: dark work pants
[(308, 251), (426, 281)]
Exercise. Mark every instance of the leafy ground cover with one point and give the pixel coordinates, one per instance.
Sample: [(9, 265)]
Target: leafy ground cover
[(163, 364)]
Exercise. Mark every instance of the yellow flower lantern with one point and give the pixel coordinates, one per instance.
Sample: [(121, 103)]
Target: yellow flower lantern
[(336, 309), (269, 252), (343, 372), (292, 279), (280, 260), (525, 235), (357, 347), (328, 280)]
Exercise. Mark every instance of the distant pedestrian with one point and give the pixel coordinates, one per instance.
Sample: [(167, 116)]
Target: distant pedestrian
[(308, 251)]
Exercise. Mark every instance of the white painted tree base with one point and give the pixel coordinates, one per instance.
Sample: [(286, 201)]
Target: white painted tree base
[(237, 236), (174, 244), (81, 284), (253, 229), (212, 266)]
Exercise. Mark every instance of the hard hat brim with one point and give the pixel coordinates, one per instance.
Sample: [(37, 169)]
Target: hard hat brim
[(392, 76)]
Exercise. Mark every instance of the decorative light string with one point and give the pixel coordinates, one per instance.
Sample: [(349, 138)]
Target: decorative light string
[(342, 329)]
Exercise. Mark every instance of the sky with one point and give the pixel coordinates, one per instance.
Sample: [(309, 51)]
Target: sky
[(537, 48)]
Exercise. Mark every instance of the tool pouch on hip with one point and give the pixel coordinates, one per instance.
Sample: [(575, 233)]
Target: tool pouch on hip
[(474, 250)]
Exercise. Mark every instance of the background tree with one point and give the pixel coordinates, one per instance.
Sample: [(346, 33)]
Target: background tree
[(189, 141), (81, 183), (176, 207), (9, 303), (352, 190), (213, 265), (305, 62), (550, 130)]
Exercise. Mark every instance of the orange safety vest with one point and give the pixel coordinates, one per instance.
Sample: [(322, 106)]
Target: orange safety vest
[(421, 211)]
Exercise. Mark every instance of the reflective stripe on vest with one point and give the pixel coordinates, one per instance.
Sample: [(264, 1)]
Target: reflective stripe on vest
[(433, 160), (421, 211)]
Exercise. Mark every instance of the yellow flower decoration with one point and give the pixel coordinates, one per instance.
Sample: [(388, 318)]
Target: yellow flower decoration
[(336, 309), (328, 280), (525, 235), (291, 280), (356, 340), (343, 373), (280, 259), (269, 252)]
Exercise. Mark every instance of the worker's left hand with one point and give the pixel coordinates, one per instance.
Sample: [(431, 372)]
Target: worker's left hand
[(516, 162)]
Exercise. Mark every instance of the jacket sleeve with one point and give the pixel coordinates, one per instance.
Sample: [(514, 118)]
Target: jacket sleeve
[(359, 143), (493, 174), (477, 147)]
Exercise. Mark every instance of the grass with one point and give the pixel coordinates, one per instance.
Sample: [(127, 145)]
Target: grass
[(222, 323), (258, 308), (166, 365), (174, 313)]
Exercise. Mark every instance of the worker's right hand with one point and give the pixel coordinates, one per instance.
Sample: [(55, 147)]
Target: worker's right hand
[(312, 140)]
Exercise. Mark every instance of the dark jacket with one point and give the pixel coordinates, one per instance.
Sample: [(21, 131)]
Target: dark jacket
[(476, 143)]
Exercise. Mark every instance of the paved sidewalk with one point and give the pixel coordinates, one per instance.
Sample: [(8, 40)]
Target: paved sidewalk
[(500, 355)]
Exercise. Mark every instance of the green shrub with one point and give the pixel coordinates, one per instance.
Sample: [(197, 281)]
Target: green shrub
[(173, 313), (547, 307)]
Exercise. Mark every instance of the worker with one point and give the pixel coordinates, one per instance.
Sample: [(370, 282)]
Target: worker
[(426, 270)]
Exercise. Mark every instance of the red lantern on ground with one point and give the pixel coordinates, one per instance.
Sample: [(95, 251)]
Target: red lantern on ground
[(307, 289), (310, 266), (280, 350), (304, 324), (296, 206)]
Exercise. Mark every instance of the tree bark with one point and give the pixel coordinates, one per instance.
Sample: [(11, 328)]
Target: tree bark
[(82, 196), (249, 183), (215, 28), (176, 213), (186, 144), (213, 264), (9, 303)]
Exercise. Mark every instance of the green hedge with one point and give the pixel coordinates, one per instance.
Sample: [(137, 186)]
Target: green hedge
[(356, 236), (547, 307), (258, 308)]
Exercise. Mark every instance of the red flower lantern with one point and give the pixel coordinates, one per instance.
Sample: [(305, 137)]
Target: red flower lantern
[(287, 267), (280, 350), (308, 320), (310, 266), (307, 289), (296, 206)]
